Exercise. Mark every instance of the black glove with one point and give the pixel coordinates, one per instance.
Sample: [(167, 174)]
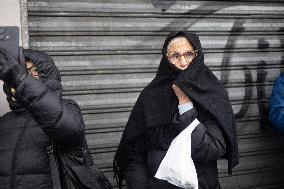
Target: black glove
[(11, 72)]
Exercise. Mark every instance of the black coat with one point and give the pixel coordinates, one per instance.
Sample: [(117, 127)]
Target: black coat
[(208, 144), (39, 114)]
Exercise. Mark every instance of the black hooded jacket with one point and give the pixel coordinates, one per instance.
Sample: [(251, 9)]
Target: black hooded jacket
[(154, 122), (38, 114)]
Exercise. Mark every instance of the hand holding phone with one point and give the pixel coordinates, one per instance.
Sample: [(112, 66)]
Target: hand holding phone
[(11, 72), (9, 40)]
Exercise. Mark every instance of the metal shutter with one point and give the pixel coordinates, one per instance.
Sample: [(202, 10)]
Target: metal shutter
[(108, 50)]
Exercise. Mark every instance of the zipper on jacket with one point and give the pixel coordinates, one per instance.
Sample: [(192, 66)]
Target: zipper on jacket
[(15, 156)]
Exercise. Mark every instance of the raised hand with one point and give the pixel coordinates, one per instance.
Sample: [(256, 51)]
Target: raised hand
[(182, 97), (11, 72)]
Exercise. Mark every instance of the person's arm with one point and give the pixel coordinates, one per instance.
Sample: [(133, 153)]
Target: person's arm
[(207, 140), (60, 119), (276, 106)]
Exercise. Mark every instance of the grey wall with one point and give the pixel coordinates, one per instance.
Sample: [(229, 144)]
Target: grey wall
[(107, 51)]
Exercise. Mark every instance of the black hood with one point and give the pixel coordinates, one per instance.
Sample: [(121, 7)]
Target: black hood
[(48, 74)]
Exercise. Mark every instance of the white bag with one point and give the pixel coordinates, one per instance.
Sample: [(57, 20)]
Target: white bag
[(177, 166)]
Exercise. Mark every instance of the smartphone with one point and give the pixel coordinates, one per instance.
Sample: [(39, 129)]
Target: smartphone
[(9, 40)]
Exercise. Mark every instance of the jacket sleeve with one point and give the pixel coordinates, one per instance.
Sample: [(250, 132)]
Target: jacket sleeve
[(60, 119), (207, 141), (276, 106)]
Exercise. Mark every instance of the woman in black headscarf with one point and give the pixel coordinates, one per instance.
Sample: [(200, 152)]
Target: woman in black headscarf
[(184, 89)]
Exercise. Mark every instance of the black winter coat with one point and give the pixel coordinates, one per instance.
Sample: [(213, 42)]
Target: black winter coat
[(208, 144), (39, 114)]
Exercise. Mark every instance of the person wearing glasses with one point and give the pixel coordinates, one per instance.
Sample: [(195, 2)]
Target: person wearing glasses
[(183, 90)]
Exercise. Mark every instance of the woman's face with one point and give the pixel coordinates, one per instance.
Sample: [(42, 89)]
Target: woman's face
[(32, 69), (180, 53)]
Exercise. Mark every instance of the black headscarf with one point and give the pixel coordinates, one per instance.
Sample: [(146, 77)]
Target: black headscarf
[(48, 74), (157, 103)]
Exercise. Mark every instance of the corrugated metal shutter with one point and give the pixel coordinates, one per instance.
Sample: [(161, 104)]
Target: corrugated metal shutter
[(107, 51)]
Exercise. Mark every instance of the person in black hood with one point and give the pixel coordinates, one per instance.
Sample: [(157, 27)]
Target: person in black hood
[(39, 115), (184, 89)]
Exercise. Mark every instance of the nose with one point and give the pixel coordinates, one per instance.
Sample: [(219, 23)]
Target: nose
[(182, 61)]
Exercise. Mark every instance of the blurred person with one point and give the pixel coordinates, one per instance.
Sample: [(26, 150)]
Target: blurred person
[(276, 106)]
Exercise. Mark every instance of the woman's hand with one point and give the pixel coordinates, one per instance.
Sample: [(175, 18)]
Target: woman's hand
[(182, 97)]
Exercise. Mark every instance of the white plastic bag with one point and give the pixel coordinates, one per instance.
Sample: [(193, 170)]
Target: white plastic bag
[(177, 166)]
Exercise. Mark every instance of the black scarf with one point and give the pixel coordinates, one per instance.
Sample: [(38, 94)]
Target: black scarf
[(157, 103)]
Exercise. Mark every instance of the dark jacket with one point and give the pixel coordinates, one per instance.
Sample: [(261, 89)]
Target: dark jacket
[(38, 115), (276, 106), (208, 144)]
